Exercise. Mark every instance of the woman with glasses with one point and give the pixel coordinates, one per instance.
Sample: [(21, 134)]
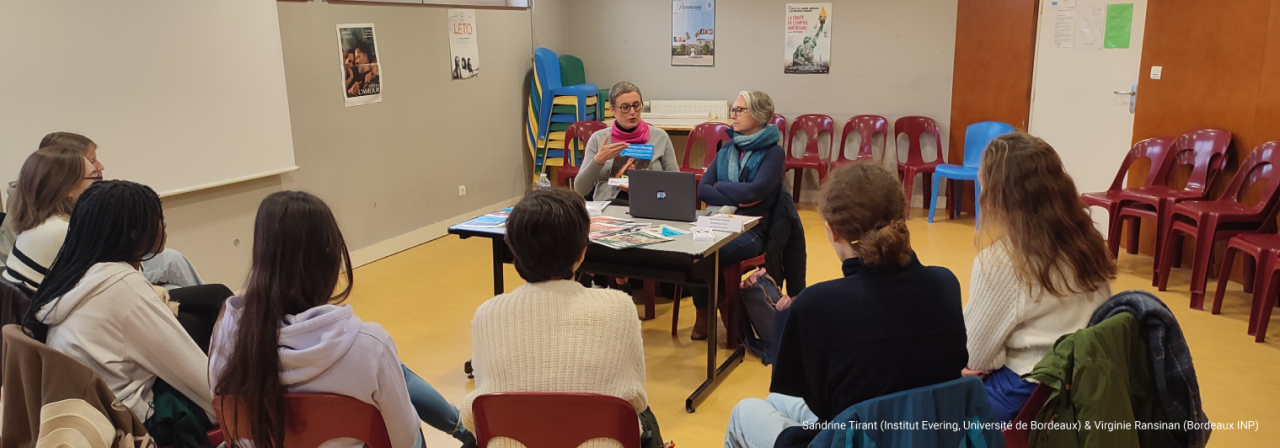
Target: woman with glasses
[(49, 183), (746, 179), (604, 158)]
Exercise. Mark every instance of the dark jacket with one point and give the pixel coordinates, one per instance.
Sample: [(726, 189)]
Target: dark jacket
[(1172, 371), (45, 390), (1098, 374), (786, 259)]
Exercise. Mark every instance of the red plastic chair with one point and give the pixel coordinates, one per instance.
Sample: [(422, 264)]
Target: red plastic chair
[(914, 128), (1260, 313), (1205, 150), (813, 126), (1210, 221), (713, 136), (781, 122), (729, 306), (575, 147), (1153, 149), (867, 126), (1020, 434), (555, 420), (313, 419), (1263, 253)]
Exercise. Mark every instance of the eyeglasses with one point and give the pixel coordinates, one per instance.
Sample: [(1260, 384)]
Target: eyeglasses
[(738, 111), (626, 108)]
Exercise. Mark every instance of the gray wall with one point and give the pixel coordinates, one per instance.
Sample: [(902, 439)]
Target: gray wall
[(551, 25), (889, 57), (388, 168)]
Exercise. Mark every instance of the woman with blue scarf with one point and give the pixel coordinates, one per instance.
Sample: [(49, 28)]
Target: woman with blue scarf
[(745, 180)]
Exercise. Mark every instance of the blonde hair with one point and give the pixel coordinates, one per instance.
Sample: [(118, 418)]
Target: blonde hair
[(759, 104), (1029, 199)]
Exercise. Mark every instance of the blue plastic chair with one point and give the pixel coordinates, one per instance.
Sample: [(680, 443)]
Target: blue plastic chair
[(976, 138), (548, 72)]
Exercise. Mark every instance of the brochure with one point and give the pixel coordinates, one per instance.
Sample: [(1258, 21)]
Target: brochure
[(596, 208), (625, 240)]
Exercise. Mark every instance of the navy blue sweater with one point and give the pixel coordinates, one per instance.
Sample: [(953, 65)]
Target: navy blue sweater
[(715, 189)]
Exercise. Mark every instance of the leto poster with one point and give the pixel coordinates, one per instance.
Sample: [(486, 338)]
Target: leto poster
[(462, 43), (808, 38)]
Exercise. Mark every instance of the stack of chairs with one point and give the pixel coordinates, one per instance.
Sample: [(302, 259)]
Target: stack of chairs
[(553, 106)]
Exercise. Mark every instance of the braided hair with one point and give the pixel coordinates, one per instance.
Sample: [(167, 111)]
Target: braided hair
[(113, 221)]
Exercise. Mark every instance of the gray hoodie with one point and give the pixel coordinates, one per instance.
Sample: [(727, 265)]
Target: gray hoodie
[(327, 349)]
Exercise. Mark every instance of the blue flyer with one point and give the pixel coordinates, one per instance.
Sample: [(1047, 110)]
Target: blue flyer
[(638, 151)]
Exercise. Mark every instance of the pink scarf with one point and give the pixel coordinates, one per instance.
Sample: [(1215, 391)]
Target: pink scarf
[(638, 136)]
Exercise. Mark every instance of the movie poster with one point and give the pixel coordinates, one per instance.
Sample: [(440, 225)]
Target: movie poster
[(462, 44), (361, 73), (693, 32), (808, 38)]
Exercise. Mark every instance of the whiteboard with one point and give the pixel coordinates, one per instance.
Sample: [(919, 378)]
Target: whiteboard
[(179, 95)]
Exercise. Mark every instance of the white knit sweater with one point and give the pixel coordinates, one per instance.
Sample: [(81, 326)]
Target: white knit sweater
[(1012, 327), (558, 336)]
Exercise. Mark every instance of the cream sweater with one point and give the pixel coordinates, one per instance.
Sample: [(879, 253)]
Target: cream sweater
[(1009, 326), (558, 336)]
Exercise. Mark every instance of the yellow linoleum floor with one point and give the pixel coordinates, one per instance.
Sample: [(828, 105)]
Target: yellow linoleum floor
[(426, 297)]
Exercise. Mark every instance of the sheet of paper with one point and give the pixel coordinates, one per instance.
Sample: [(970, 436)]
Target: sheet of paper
[(703, 235), (1090, 21), (1119, 25), (1064, 28)]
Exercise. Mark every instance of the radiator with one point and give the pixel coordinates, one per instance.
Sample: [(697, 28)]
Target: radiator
[(688, 109)]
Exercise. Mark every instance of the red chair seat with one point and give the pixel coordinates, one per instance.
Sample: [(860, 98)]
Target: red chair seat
[(312, 419), (915, 128), (1264, 250), (1154, 193), (813, 126), (555, 420), (575, 147)]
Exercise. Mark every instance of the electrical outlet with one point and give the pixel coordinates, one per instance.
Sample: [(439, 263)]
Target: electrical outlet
[(462, 190)]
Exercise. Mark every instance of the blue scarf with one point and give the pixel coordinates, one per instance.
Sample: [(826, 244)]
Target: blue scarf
[(733, 166)]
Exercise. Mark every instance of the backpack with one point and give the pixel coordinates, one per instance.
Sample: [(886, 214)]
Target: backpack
[(759, 328)]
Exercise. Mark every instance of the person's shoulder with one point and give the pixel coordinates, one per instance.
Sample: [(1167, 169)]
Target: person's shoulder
[(56, 224), (655, 131), (599, 135), (815, 296)]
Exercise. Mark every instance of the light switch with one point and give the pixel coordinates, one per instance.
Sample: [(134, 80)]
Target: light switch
[(1155, 71)]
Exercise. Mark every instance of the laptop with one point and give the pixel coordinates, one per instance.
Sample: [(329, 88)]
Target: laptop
[(665, 195)]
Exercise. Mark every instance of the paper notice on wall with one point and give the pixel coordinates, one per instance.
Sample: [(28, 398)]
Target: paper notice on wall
[(462, 43), (1119, 25), (1064, 29), (807, 47), (1090, 23)]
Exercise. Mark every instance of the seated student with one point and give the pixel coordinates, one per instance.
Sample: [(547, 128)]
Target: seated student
[(96, 307), (169, 267), (1042, 277), (604, 160), (745, 179), (52, 178), (289, 317), (891, 324), (552, 334)]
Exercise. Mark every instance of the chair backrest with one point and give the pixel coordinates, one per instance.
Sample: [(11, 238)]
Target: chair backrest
[(572, 72), (575, 140), (713, 135), (547, 69), (781, 122), (813, 126), (311, 420), (976, 138), (555, 420), (867, 126), (1259, 166), (1205, 150), (1154, 149), (914, 127)]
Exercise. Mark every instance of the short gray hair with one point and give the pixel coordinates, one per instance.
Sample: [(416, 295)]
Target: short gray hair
[(622, 88), (759, 105)]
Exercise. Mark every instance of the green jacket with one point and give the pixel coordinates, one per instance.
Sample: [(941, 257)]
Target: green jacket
[(1100, 374)]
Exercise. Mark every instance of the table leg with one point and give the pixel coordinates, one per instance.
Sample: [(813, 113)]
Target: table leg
[(499, 251), (713, 340)]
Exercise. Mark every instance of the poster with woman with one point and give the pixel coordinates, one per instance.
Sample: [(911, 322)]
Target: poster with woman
[(808, 38), (361, 73), (462, 43), (693, 32)]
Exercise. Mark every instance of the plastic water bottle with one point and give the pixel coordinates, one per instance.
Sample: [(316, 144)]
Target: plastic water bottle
[(543, 182)]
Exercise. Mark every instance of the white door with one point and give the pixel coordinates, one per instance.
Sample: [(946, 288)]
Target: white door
[(1075, 106)]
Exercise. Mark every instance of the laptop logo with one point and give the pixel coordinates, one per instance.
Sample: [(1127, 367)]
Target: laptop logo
[(662, 194)]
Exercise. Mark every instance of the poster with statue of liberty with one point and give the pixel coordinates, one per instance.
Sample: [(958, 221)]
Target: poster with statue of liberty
[(808, 46)]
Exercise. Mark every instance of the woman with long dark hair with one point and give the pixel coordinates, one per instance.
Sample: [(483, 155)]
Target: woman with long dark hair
[(97, 307), (288, 333), (1042, 274)]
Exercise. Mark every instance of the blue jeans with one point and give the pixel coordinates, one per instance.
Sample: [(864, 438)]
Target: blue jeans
[(745, 246), (171, 269), (434, 409), (756, 423), (1008, 393)]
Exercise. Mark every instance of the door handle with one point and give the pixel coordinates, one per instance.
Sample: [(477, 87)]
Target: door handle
[(1133, 96), (1123, 92)]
